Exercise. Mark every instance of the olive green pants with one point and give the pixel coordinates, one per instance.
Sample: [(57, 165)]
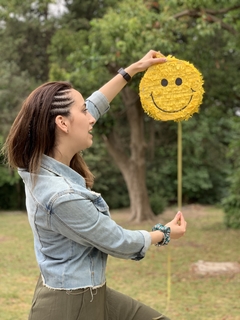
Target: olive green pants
[(86, 304)]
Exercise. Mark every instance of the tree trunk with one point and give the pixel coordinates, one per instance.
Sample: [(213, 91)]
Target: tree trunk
[(133, 167)]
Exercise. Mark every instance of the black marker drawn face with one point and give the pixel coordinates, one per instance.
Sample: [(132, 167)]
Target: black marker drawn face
[(171, 91), (178, 82)]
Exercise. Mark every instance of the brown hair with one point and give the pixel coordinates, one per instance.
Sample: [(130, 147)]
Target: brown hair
[(33, 132)]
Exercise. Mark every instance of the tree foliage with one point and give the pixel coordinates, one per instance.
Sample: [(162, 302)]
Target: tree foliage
[(26, 28), (25, 31), (94, 38)]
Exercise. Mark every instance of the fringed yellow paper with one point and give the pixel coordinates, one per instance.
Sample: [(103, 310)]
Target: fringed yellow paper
[(172, 90)]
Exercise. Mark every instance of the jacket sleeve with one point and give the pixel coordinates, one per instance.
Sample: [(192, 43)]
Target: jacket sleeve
[(80, 220), (97, 104)]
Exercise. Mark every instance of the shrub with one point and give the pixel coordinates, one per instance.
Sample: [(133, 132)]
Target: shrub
[(158, 203), (231, 206)]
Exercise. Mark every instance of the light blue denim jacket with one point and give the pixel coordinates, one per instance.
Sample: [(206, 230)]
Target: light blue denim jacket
[(72, 228)]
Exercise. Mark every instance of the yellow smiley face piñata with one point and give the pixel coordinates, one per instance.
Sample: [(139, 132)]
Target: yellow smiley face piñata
[(172, 90)]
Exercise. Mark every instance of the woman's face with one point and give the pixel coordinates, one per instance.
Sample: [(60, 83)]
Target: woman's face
[(80, 123)]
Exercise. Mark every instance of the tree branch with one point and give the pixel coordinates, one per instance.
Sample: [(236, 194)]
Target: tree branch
[(221, 11), (210, 16), (191, 13)]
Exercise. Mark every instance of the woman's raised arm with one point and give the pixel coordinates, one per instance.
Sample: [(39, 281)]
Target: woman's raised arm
[(116, 84)]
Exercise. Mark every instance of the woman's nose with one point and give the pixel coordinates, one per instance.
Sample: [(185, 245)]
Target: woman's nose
[(92, 120)]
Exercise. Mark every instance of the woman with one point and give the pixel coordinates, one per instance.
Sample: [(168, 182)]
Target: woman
[(72, 228)]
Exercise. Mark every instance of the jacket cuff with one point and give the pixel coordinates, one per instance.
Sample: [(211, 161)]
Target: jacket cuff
[(147, 244), (97, 104)]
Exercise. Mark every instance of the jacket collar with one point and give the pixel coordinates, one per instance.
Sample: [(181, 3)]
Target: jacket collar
[(62, 170)]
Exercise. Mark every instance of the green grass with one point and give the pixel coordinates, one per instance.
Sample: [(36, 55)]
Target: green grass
[(192, 297)]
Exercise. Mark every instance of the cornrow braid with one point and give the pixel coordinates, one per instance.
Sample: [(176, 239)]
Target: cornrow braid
[(61, 102)]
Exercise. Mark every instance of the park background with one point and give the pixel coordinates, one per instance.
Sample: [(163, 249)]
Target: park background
[(134, 158)]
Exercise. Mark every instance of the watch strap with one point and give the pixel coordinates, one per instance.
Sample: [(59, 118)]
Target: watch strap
[(125, 75)]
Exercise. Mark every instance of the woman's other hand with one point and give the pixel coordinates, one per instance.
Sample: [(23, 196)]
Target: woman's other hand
[(178, 226)]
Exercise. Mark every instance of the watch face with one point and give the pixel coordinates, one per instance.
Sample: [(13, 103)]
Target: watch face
[(125, 75)]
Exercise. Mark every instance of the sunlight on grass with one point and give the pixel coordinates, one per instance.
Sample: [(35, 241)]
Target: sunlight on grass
[(192, 297)]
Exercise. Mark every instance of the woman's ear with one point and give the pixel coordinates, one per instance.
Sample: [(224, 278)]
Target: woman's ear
[(62, 123)]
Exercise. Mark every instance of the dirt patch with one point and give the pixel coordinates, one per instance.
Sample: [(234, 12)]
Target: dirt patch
[(3, 239), (206, 268)]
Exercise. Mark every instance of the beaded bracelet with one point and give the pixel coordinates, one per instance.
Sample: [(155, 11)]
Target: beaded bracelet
[(166, 232)]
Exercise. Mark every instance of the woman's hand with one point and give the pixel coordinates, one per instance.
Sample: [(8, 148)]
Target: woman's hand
[(178, 226), (151, 58)]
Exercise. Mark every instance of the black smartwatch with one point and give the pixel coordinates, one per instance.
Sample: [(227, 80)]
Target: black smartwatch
[(125, 75)]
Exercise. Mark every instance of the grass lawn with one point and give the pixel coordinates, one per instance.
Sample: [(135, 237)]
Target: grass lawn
[(192, 297)]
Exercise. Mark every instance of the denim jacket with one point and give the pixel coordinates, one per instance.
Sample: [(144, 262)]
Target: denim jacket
[(72, 228)]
